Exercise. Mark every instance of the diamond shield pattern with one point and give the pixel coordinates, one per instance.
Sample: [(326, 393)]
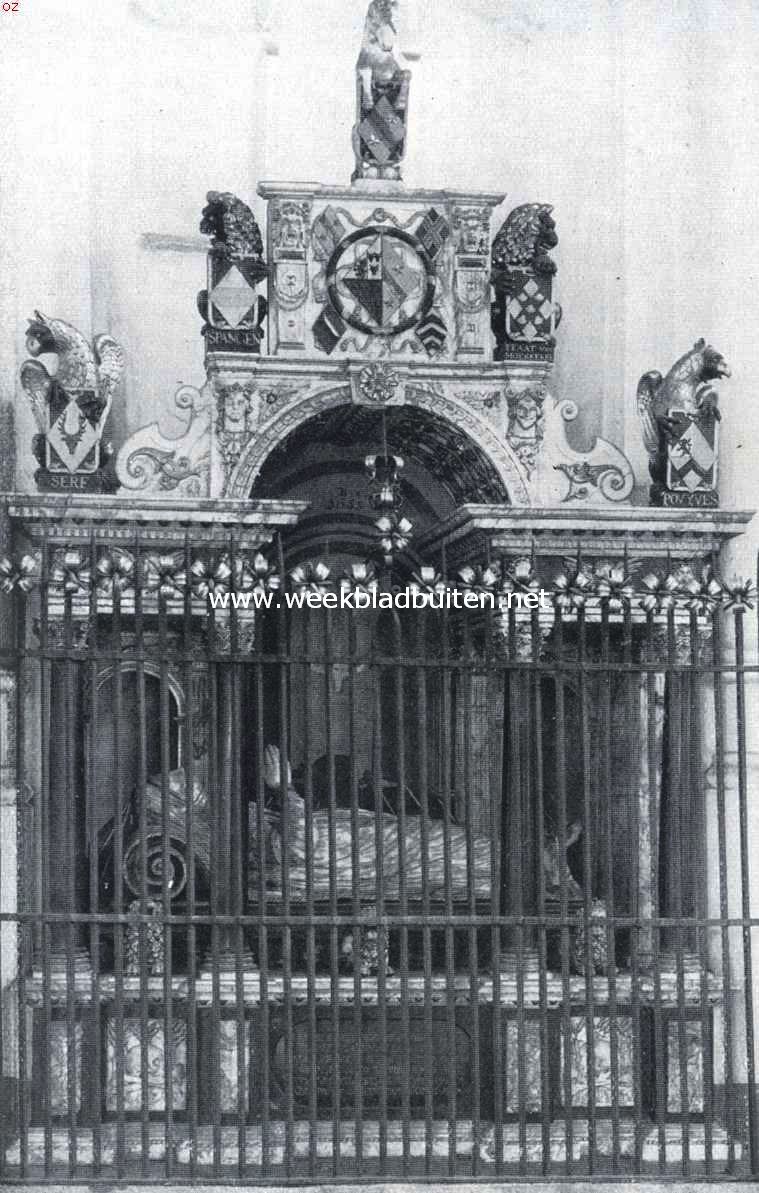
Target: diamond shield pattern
[(233, 296), (72, 436)]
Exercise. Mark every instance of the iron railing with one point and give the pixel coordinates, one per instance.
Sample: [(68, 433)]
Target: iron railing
[(492, 919)]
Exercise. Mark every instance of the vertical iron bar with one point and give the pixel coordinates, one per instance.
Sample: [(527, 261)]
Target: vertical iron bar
[(308, 794), (142, 811), (377, 676), (697, 696), (262, 1044), (118, 890), (188, 734), (724, 908), (450, 936), (540, 837), (655, 806), (588, 872), (214, 786), (468, 675), (358, 1115), (289, 817), (500, 679), (400, 730), (611, 935), (95, 1076), (72, 862), (46, 794), (565, 940), (676, 786), (631, 698), (334, 975), (424, 826), (168, 993), (237, 839), (753, 1125)]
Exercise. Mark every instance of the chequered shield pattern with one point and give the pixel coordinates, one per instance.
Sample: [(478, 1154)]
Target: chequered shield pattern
[(530, 311)]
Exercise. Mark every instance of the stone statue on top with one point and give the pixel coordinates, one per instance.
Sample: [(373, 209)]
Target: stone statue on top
[(379, 135)]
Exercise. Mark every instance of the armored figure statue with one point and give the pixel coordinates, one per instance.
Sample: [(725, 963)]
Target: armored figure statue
[(522, 276), (71, 402), (379, 135), (679, 416), (232, 310)]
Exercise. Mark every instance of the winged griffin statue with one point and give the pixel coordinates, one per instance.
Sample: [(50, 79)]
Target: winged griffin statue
[(678, 416), (71, 401)]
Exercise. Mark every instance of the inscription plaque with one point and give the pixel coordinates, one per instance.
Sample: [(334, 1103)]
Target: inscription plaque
[(423, 1059)]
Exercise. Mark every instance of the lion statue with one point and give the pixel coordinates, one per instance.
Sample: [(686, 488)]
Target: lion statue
[(525, 238), (232, 226)]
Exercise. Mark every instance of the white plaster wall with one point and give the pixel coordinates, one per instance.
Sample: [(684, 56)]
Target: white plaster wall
[(636, 119)]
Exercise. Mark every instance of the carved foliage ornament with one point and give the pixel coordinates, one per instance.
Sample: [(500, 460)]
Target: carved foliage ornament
[(150, 461)]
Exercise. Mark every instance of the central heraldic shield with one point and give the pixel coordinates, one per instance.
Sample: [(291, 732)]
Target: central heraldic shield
[(380, 280)]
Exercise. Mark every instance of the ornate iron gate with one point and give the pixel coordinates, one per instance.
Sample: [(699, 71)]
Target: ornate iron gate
[(316, 894)]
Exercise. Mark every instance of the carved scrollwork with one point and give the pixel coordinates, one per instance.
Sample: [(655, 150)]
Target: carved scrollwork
[(150, 461)]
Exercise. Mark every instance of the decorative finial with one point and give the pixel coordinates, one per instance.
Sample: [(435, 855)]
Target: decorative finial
[(379, 135)]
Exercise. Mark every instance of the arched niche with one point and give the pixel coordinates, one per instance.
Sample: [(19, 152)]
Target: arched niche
[(322, 460), (458, 447)]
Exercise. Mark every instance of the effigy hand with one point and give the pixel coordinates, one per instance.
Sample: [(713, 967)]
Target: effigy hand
[(273, 770)]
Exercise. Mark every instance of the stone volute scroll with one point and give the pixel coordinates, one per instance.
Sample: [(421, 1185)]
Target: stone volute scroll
[(382, 90), (679, 419)]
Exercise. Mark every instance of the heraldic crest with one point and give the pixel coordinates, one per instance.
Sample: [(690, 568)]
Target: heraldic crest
[(71, 404)]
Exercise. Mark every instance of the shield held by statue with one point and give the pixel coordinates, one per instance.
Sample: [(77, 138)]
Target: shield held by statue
[(530, 310), (692, 454), (75, 423)]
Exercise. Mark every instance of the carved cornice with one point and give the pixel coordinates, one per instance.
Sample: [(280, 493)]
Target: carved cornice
[(150, 521), (601, 533)]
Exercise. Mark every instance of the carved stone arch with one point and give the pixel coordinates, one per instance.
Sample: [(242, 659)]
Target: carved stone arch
[(430, 398)]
